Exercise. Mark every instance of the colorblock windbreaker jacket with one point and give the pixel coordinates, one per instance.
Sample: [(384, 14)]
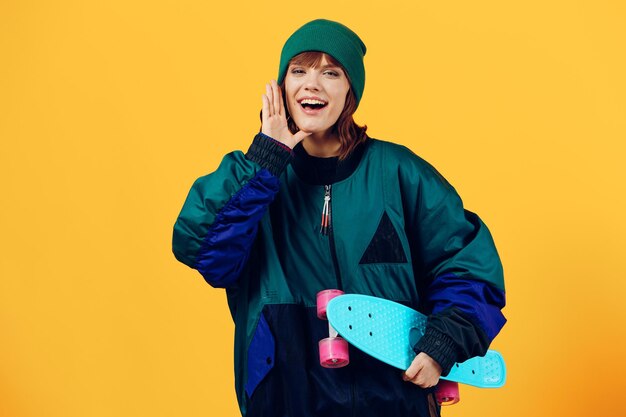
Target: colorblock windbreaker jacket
[(396, 229)]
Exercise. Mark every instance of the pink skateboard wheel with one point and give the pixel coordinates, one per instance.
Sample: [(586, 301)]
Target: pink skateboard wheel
[(323, 297), (334, 352), (447, 392)]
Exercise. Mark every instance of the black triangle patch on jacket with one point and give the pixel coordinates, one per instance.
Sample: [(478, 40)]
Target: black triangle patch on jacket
[(385, 246)]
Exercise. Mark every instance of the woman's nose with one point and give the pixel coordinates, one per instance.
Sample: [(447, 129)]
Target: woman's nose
[(312, 81)]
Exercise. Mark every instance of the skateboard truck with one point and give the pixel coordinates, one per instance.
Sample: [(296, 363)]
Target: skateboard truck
[(333, 349)]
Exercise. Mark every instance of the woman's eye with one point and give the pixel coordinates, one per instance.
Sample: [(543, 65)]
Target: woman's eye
[(297, 71), (332, 73)]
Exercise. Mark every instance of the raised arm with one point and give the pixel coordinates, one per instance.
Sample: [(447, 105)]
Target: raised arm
[(219, 220)]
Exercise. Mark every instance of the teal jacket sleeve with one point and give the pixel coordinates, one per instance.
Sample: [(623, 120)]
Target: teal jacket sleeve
[(219, 219), (459, 272)]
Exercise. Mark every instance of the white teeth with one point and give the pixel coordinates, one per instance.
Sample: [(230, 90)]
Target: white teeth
[(312, 101)]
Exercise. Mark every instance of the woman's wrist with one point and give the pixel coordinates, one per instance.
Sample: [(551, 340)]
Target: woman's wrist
[(439, 347), (278, 142), (269, 153)]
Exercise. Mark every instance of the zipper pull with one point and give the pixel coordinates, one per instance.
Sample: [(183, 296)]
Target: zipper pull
[(325, 225)]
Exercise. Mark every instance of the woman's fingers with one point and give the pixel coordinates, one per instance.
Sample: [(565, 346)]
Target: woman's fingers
[(273, 117), (276, 96), (265, 113), (276, 105), (270, 100), (282, 102), (418, 379), (413, 370), (423, 371)]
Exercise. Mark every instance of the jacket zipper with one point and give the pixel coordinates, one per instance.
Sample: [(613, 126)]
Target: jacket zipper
[(326, 229)]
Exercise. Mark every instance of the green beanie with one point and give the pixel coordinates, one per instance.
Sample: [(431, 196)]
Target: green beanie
[(334, 39)]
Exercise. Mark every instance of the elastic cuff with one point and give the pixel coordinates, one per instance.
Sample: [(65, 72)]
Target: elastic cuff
[(269, 153), (438, 346)]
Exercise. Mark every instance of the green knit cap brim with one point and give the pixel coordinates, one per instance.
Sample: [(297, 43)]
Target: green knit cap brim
[(334, 39)]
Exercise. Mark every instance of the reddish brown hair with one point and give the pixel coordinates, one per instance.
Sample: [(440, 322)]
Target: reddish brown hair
[(350, 134)]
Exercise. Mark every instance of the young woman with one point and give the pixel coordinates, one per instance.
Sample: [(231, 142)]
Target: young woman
[(391, 226)]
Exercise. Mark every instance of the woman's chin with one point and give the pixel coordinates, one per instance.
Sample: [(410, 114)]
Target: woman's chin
[(313, 128)]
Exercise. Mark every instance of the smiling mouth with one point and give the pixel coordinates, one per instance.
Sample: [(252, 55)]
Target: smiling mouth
[(312, 105)]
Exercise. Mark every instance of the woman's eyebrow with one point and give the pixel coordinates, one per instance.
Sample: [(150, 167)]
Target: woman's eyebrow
[(319, 66)]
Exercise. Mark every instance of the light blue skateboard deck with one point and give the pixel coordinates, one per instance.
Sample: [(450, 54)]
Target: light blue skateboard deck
[(388, 331)]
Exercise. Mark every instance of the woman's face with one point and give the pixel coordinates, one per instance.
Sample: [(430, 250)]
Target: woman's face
[(316, 96)]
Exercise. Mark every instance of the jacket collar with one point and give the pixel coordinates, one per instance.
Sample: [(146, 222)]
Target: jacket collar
[(324, 171)]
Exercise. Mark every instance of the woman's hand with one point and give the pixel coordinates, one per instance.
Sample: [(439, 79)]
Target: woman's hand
[(423, 372), (274, 117)]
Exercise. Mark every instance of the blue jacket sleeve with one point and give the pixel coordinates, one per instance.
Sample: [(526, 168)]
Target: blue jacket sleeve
[(219, 220)]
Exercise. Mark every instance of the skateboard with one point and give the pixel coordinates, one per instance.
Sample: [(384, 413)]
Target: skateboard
[(388, 331)]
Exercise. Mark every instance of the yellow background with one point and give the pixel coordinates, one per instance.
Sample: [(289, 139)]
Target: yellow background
[(110, 109)]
